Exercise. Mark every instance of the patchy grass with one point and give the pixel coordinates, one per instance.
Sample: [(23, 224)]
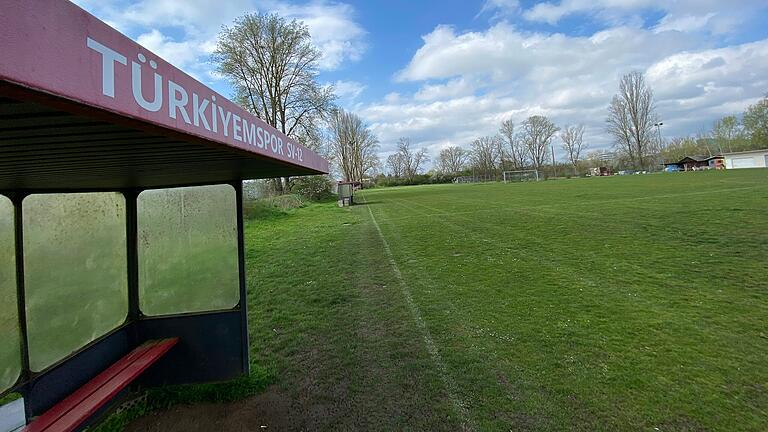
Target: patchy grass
[(330, 331), (266, 208), (10, 397), (622, 303), (326, 313)]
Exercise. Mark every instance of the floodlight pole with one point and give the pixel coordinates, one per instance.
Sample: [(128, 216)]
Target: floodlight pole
[(658, 130)]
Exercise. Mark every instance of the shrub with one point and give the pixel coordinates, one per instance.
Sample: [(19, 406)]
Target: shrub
[(313, 188), (434, 178), (271, 207)]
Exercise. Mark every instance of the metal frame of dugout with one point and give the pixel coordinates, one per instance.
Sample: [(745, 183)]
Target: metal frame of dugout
[(78, 126)]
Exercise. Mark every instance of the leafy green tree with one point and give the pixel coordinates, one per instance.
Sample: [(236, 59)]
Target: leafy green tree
[(680, 147), (756, 123), (728, 134), (314, 188)]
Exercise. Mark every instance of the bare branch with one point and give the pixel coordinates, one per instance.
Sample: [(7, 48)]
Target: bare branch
[(353, 146), (452, 160), (631, 116), (486, 154), (573, 144), (537, 135)]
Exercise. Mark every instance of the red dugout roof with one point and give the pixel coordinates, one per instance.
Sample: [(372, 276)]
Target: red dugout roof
[(82, 106)]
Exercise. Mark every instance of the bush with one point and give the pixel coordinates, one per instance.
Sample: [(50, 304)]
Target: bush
[(435, 178), (313, 188), (271, 207)]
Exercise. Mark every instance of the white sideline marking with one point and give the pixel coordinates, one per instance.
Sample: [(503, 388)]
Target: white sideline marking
[(448, 382)]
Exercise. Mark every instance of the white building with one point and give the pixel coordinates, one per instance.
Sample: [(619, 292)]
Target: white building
[(747, 159)]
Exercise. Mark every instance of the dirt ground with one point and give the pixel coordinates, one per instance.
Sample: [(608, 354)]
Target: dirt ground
[(270, 411)]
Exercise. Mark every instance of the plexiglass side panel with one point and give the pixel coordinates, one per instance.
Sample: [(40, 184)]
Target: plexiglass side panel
[(188, 258), (10, 344), (75, 271)]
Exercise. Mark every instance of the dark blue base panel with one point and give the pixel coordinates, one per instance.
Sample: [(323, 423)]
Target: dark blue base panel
[(53, 385), (211, 349)]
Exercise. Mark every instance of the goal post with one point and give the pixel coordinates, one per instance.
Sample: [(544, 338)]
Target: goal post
[(522, 175)]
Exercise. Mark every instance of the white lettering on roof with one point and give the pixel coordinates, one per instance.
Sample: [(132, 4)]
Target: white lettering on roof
[(205, 112), (108, 59)]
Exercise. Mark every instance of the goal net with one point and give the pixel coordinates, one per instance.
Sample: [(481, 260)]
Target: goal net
[(517, 176)]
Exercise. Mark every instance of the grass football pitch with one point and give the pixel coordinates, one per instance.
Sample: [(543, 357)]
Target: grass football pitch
[(622, 303)]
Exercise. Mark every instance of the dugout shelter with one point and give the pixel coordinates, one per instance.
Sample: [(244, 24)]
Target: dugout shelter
[(121, 230)]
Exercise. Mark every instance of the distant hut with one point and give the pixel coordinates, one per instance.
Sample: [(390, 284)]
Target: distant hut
[(696, 163)]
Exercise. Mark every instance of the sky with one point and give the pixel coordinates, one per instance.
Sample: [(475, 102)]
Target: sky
[(444, 72)]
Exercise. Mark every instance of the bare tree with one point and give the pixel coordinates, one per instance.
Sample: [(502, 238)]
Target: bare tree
[(631, 116), (396, 165), (452, 160), (353, 146), (536, 136), (272, 66), (573, 144), (514, 145), (408, 161), (485, 155)]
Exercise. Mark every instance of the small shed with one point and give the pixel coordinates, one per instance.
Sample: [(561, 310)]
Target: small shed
[(121, 228), (346, 191)]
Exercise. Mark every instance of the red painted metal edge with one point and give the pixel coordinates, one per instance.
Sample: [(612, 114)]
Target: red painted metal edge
[(61, 408), (57, 48), (76, 408)]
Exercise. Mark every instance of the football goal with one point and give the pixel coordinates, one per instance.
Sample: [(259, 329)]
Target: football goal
[(524, 175)]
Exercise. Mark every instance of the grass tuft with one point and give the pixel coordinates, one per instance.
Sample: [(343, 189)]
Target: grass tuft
[(272, 207)]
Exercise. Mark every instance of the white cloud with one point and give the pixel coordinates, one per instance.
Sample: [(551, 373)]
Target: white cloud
[(185, 32), (392, 98), (680, 15), (187, 55), (469, 82), (499, 8), (502, 54), (686, 23), (710, 83), (333, 28), (553, 12), (350, 90), (451, 89)]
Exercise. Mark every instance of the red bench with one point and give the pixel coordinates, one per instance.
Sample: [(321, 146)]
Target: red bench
[(68, 414)]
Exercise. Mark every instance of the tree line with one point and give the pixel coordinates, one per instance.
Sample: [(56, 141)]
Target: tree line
[(510, 149), (729, 134), (273, 69), (632, 122)]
